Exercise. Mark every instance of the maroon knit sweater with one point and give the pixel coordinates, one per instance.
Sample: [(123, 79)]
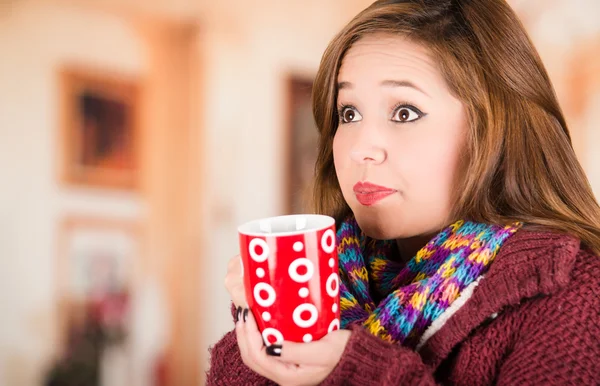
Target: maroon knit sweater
[(534, 319)]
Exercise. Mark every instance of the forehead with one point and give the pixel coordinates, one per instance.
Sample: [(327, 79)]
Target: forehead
[(378, 56)]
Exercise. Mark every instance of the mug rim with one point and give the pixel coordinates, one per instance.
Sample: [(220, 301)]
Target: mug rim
[(251, 228)]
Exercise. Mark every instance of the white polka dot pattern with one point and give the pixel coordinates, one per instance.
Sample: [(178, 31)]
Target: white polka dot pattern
[(259, 257), (302, 262), (303, 292), (269, 331), (334, 325), (331, 289), (328, 241), (268, 302), (286, 275), (305, 323)]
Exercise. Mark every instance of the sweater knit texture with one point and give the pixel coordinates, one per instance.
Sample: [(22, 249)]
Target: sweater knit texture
[(533, 319)]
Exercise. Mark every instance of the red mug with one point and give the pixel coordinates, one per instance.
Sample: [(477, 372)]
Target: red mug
[(290, 271)]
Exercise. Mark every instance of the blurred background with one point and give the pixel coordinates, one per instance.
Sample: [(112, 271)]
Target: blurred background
[(135, 135)]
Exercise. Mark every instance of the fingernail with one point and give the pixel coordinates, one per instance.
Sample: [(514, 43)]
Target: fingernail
[(274, 350), (245, 314), (238, 314)]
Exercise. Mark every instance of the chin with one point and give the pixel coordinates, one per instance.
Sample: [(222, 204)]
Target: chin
[(375, 225)]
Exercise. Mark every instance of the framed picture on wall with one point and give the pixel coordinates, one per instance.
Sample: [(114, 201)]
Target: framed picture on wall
[(302, 144), (97, 261), (99, 129)]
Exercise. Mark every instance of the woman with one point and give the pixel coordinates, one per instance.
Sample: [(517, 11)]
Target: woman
[(468, 234)]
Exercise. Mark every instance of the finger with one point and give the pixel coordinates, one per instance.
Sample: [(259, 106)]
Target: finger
[(270, 366), (231, 281), (248, 356), (238, 295), (252, 333), (241, 338), (233, 263), (313, 353)]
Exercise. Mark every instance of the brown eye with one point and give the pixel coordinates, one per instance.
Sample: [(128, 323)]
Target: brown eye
[(349, 114), (405, 114)]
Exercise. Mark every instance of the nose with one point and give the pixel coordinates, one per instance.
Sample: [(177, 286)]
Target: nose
[(368, 149)]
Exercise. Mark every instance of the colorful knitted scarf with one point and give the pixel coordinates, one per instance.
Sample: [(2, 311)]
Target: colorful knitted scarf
[(397, 302)]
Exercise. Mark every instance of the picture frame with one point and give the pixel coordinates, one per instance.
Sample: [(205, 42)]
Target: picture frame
[(99, 129), (302, 144), (97, 263)]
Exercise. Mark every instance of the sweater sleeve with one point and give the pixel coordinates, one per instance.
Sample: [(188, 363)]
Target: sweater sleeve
[(368, 360), (561, 344), (226, 365)]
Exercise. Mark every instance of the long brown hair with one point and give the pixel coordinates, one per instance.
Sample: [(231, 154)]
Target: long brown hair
[(520, 163)]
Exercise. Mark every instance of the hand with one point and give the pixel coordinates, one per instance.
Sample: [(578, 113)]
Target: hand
[(234, 282), (298, 363)]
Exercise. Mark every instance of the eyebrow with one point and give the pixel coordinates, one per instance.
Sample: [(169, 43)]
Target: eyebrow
[(386, 83)]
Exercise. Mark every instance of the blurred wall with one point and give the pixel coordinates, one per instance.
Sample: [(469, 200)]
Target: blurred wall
[(34, 40), (567, 37)]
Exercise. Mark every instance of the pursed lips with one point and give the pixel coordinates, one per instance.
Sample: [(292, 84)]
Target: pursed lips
[(369, 194)]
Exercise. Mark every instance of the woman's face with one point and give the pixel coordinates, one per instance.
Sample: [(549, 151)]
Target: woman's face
[(399, 139)]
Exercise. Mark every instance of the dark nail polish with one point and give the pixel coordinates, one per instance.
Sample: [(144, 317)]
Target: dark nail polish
[(238, 314), (245, 314), (274, 350)]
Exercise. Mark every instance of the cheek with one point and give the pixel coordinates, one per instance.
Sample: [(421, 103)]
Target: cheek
[(340, 155), (434, 166), (342, 163)]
